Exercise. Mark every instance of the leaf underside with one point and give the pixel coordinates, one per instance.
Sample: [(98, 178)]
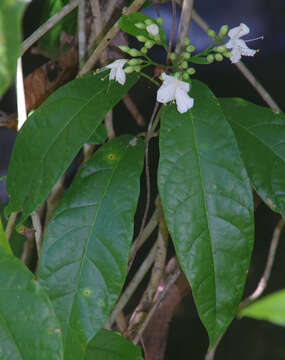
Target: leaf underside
[(207, 200), (85, 253), (260, 135)]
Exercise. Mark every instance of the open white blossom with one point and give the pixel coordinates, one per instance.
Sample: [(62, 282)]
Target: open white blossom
[(175, 89), (152, 29), (237, 45), (117, 73)]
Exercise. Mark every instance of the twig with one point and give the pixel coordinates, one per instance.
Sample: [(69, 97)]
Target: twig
[(130, 289), (160, 297), (21, 102), (107, 39), (244, 70), (110, 8), (211, 352), (184, 24), (131, 106), (38, 230), (145, 235), (268, 267), (109, 125), (144, 305), (48, 25), (81, 33), (172, 31), (10, 225)]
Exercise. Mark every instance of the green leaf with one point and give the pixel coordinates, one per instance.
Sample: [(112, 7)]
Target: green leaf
[(270, 308), (50, 42), (127, 24), (28, 325), (108, 345), (11, 13), (4, 244), (100, 136), (53, 135), (199, 60), (207, 200), (260, 133), (85, 253)]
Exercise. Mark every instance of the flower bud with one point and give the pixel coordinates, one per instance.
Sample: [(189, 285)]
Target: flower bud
[(221, 49), (211, 33), (149, 44), (148, 22), (227, 54), (134, 52), (172, 56), (210, 58), (129, 69), (140, 25), (152, 29), (190, 48), (191, 71), (185, 76), (223, 31), (124, 48), (144, 50), (137, 68), (186, 55), (186, 41), (141, 38), (218, 57), (184, 65), (135, 61), (159, 20)]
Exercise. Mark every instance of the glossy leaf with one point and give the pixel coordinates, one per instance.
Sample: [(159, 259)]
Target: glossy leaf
[(108, 345), (11, 13), (127, 24), (207, 201), (85, 253), (260, 134), (28, 325), (100, 136), (270, 308), (50, 42), (53, 135), (4, 244)]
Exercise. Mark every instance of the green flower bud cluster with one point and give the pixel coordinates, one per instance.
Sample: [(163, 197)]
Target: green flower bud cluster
[(132, 52), (151, 36)]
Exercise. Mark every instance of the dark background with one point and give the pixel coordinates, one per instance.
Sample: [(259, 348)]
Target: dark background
[(246, 338)]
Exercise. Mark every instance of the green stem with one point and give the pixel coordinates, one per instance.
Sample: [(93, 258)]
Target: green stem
[(150, 79)]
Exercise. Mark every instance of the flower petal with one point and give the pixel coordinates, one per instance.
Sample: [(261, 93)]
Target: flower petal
[(152, 29), (244, 49), (165, 93), (239, 31), (183, 100), (120, 76)]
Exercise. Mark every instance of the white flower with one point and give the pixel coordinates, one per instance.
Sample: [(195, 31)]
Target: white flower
[(237, 45), (117, 73), (175, 89), (152, 29)]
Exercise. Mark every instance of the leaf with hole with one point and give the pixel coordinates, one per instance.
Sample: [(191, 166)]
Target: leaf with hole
[(85, 253), (53, 135), (207, 201)]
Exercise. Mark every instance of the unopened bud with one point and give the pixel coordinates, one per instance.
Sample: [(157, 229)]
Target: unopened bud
[(134, 52), (172, 56), (124, 48), (184, 65), (190, 48), (223, 31), (140, 25), (191, 71), (227, 54), (137, 68), (144, 50), (129, 69), (210, 59), (185, 76), (186, 41), (135, 61), (159, 20), (141, 38), (221, 49), (186, 55), (149, 44), (152, 29), (148, 22), (211, 33), (218, 57)]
